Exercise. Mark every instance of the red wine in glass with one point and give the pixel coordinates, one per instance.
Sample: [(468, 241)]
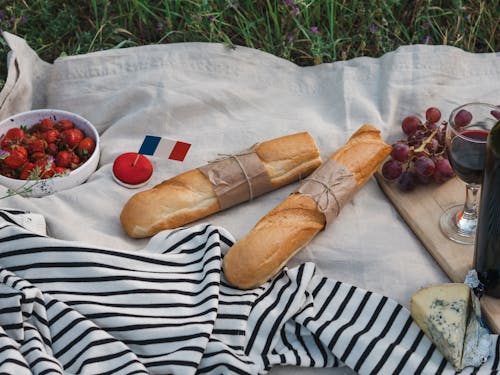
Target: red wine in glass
[(467, 152), (466, 138)]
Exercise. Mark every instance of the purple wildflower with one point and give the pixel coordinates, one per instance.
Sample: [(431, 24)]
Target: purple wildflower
[(22, 20), (295, 11), (288, 3), (289, 37), (373, 28), (314, 29), (426, 39), (211, 18), (159, 26)]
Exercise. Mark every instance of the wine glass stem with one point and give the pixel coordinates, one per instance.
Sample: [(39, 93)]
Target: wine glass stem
[(469, 215)]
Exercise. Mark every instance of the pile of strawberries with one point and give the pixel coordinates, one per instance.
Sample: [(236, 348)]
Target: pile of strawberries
[(44, 150)]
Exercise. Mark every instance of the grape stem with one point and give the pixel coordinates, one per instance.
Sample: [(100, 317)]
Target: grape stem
[(421, 148)]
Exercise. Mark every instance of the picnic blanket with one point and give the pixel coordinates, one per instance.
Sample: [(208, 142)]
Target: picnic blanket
[(79, 295)]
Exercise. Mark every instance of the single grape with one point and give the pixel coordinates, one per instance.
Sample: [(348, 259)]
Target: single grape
[(419, 154), (410, 124), (391, 169), (400, 151), (432, 146), (432, 126), (463, 118), (424, 166), (424, 180), (443, 171), (432, 115), (420, 135), (407, 181)]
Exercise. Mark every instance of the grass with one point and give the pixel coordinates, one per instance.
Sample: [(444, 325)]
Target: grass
[(307, 32)]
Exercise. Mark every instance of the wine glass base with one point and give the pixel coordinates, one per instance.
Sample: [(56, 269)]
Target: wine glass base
[(457, 228)]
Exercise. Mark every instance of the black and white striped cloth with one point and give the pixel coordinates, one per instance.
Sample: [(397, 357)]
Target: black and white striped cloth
[(67, 308)]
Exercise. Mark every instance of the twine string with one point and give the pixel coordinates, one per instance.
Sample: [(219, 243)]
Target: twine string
[(240, 164), (327, 192)]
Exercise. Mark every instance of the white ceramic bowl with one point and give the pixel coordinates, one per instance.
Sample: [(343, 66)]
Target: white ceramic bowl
[(40, 188)]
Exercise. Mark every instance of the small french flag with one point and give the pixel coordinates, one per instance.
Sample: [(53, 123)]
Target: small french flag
[(164, 147)]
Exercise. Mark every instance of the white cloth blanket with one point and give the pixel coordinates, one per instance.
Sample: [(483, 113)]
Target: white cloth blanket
[(223, 101)]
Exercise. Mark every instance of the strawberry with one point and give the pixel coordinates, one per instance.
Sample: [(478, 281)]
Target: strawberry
[(75, 161), (46, 124), (5, 143), (61, 171), (7, 171), (37, 156), (46, 167), (52, 149), (86, 147), (64, 158), (26, 171), (35, 145), (64, 125), (13, 136), (51, 136), (18, 155), (72, 137)]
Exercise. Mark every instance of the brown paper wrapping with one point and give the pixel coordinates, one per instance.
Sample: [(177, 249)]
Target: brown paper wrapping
[(237, 178), (331, 186)]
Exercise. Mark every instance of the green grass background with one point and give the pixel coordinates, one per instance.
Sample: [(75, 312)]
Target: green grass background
[(307, 32)]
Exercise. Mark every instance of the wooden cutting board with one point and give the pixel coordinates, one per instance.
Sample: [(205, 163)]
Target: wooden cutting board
[(421, 210)]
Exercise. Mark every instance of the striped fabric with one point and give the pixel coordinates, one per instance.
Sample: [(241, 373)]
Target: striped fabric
[(67, 308)]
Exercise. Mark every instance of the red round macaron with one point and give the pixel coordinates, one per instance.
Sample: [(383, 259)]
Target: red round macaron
[(132, 170)]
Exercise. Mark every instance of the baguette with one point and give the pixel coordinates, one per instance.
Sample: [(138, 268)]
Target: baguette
[(290, 226), (191, 196)]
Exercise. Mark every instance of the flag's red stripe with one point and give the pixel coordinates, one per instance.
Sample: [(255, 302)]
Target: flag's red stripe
[(179, 151)]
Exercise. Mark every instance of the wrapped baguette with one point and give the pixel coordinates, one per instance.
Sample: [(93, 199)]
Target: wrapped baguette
[(287, 228), (221, 184)]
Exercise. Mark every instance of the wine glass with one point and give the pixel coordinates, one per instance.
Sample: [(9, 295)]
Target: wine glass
[(466, 134)]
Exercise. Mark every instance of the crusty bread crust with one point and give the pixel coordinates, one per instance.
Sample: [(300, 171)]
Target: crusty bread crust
[(190, 196), (289, 158), (171, 204), (287, 228), (280, 234)]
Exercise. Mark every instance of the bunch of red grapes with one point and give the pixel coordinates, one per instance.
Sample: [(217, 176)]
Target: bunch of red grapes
[(421, 157)]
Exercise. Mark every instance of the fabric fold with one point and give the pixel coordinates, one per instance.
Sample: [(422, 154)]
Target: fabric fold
[(27, 77)]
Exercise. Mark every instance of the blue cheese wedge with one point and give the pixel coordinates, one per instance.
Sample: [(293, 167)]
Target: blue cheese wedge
[(441, 311)]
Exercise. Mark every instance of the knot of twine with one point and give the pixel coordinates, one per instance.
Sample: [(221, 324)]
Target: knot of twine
[(327, 192), (240, 164)]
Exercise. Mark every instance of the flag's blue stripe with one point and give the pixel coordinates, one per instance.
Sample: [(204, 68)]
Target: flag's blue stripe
[(149, 145)]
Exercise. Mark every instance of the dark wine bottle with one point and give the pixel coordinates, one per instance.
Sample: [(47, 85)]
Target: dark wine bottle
[(487, 246)]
